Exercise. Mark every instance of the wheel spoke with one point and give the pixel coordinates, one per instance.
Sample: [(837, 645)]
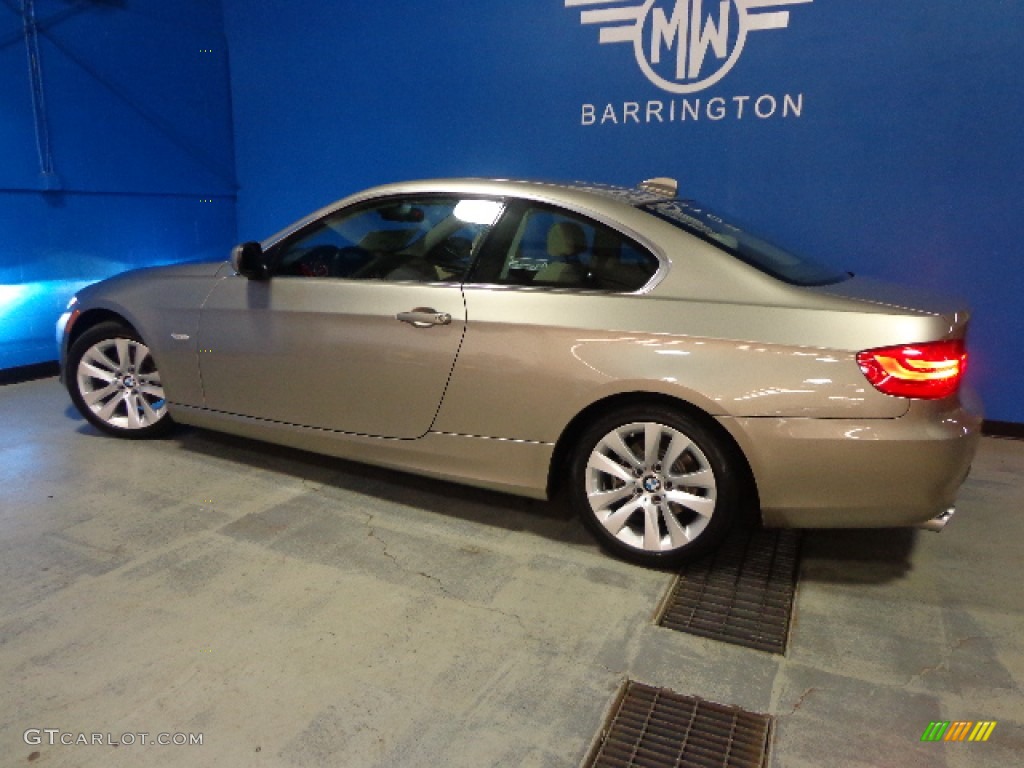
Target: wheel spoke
[(124, 354), (98, 395), (131, 412), (96, 373), (144, 359), (149, 414), (652, 531), (652, 442), (602, 463), (132, 404), (616, 521), (153, 390), (110, 406), (677, 534), (702, 505), (702, 478), (103, 355), (677, 445), (604, 499), (97, 358), (613, 441)]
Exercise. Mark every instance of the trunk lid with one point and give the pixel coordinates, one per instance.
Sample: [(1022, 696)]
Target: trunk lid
[(889, 296)]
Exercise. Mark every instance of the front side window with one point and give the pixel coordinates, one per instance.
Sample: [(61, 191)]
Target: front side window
[(421, 238), (554, 248)]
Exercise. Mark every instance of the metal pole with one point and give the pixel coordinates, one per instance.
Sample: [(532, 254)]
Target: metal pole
[(35, 73)]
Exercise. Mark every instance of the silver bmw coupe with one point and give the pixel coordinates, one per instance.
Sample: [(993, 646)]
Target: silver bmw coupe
[(660, 365)]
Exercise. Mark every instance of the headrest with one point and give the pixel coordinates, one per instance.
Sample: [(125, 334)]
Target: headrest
[(566, 239)]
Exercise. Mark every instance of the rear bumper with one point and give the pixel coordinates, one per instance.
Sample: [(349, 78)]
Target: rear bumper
[(840, 473)]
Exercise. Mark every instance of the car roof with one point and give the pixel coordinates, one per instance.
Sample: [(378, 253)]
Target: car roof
[(638, 195)]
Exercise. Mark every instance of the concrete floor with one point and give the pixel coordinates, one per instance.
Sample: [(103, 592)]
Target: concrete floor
[(302, 611)]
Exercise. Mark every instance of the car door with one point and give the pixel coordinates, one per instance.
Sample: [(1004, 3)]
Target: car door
[(359, 325), (549, 304)]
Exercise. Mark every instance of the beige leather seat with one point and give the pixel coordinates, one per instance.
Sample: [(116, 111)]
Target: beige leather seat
[(607, 270), (565, 243)]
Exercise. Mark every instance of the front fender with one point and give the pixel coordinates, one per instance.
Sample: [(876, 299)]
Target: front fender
[(163, 307)]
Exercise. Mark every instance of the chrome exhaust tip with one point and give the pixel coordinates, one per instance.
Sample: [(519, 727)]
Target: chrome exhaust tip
[(938, 522)]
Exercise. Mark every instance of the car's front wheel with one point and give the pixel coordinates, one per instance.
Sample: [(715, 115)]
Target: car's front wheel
[(114, 382), (656, 486)]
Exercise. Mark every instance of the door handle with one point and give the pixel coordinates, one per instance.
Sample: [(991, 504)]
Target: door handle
[(424, 317)]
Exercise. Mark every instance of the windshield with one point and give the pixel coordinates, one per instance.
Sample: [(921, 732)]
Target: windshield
[(701, 221)]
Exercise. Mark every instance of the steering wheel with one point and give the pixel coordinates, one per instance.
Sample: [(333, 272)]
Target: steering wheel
[(318, 262), (452, 253)]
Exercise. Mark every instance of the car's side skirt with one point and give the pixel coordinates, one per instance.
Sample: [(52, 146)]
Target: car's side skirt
[(518, 467)]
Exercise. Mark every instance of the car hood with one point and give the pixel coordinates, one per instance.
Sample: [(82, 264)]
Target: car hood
[(888, 296), (194, 269), (148, 274)]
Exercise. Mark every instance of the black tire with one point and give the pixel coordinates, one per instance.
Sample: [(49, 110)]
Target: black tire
[(642, 511), (114, 383)]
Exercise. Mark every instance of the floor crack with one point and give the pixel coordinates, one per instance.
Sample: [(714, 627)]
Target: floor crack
[(944, 662), (800, 701), (371, 532)]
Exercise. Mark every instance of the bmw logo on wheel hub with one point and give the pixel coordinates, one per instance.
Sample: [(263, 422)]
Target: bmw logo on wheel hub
[(652, 484)]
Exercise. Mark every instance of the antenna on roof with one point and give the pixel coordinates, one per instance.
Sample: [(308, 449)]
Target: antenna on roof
[(660, 185)]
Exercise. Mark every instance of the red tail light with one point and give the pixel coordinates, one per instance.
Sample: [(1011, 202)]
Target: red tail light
[(929, 371)]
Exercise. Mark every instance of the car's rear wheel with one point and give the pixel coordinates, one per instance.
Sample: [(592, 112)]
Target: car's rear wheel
[(114, 382), (656, 486)]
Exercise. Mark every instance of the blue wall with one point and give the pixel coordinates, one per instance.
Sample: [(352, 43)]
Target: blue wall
[(892, 147), (127, 160), (899, 154)]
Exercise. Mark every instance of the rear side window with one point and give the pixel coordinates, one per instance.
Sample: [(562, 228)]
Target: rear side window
[(701, 221), (549, 247)]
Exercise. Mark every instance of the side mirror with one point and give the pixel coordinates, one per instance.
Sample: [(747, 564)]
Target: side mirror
[(247, 260)]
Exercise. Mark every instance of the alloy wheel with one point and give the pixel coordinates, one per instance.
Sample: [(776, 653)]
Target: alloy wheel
[(650, 487), (119, 383)]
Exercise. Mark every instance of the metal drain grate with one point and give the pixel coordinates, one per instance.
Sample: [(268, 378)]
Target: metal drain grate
[(742, 594), (655, 727)]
